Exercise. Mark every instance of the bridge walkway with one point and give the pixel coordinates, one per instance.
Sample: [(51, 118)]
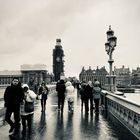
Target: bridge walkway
[(54, 125)]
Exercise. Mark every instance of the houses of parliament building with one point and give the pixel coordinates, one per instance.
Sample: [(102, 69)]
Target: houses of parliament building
[(90, 75)]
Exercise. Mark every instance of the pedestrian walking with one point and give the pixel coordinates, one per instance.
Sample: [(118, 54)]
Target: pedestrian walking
[(70, 96), (97, 95), (78, 87), (89, 97), (32, 85), (43, 92), (82, 94), (27, 108), (13, 96), (61, 89)]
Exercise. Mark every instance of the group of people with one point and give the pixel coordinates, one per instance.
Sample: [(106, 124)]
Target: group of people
[(89, 92), (65, 90), (19, 100), (90, 95)]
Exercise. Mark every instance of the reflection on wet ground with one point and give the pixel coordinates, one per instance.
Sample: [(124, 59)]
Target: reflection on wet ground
[(81, 126)]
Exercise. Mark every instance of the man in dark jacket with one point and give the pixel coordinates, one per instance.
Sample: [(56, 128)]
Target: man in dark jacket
[(82, 94), (13, 96), (89, 97), (61, 89)]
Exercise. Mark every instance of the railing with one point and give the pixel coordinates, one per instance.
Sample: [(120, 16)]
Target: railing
[(128, 113)]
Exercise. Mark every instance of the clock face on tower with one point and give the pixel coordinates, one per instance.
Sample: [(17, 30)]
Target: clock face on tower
[(58, 59)]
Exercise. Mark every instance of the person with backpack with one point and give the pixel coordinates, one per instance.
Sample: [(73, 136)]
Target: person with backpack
[(97, 95), (27, 108)]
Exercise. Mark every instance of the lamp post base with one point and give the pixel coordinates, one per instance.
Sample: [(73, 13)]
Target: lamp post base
[(111, 83)]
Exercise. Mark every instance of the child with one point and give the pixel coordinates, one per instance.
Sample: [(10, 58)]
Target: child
[(27, 115)]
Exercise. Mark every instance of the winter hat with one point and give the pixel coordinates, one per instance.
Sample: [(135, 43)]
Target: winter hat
[(25, 85), (97, 83), (90, 83), (68, 84)]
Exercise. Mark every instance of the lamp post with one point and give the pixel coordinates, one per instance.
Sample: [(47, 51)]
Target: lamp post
[(109, 47)]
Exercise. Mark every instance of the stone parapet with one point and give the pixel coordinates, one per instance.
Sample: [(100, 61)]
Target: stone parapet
[(127, 112)]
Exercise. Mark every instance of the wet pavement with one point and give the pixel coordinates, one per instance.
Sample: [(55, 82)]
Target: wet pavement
[(54, 125)]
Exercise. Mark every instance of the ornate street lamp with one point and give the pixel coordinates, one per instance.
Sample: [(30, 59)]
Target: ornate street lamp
[(112, 41), (109, 47)]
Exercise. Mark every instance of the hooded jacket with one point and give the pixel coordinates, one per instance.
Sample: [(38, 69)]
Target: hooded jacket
[(69, 90), (13, 96), (29, 96), (96, 92)]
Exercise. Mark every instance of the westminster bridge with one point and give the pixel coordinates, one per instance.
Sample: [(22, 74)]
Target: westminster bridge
[(119, 119)]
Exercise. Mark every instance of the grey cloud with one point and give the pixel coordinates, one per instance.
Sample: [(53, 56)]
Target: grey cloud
[(27, 27), (23, 23)]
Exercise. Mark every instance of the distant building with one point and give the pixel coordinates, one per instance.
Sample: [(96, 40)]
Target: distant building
[(58, 61), (123, 76), (30, 74), (135, 80), (91, 75), (7, 76)]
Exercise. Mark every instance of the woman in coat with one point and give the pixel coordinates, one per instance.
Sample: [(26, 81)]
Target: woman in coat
[(27, 115), (70, 96), (43, 92), (97, 95)]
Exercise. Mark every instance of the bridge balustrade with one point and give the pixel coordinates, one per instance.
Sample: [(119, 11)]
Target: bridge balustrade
[(128, 113)]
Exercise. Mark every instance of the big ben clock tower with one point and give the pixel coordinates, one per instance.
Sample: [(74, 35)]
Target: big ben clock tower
[(58, 62)]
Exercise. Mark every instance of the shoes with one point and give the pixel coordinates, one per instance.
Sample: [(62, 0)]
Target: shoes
[(12, 136), (11, 129)]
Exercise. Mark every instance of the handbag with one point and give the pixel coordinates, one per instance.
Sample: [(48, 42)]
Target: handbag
[(38, 97), (29, 107)]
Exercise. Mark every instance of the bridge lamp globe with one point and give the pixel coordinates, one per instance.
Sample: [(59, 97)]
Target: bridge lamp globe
[(107, 47), (112, 41)]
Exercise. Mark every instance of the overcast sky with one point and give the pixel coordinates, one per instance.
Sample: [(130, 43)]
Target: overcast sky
[(29, 29)]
